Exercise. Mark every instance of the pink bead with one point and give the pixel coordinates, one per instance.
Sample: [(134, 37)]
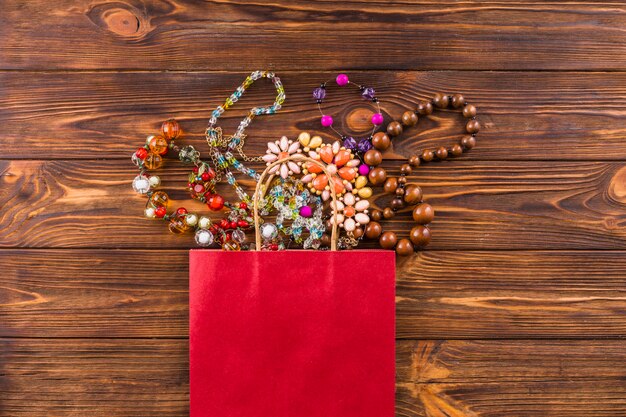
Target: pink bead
[(327, 120), (377, 119), (342, 79), (364, 169)]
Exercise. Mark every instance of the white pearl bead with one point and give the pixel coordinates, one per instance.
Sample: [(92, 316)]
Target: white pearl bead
[(155, 181), (149, 212), (349, 225), (191, 219), (204, 222)]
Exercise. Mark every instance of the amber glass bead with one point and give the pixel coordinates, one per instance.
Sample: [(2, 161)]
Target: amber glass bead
[(468, 142), (427, 155), (404, 247), (390, 185), (420, 235), (159, 199), (153, 161), (394, 128), (377, 176), (423, 213), (157, 144), (373, 157), (442, 153), (409, 118), (178, 225), (441, 101), (381, 141), (469, 111), (413, 194), (425, 108), (170, 129), (388, 240), (456, 150)]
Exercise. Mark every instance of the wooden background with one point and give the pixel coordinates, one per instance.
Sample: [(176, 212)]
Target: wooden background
[(516, 309)]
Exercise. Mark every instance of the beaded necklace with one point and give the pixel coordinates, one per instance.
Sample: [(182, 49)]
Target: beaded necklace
[(221, 148)]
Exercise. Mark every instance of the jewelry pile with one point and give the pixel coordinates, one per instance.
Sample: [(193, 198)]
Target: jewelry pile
[(312, 187)]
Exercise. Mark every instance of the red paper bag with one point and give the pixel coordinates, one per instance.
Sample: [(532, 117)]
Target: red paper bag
[(292, 333)]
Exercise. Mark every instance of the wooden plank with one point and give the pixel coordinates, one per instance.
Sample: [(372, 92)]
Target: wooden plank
[(525, 116), (440, 294), (227, 35), (479, 205), (122, 377)]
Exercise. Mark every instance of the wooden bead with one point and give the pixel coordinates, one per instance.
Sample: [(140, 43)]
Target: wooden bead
[(456, 150), (325, 239), (423, 213), (373, 230), (388, 240), (414, 161), (420, 235), (396, 204), (472, 126), (381, 141), (413, 194), (458, 101), (409, 118), (441, 101), (404, 247), (427, 155), (442, 153), (391, 185), (400, 191), (377, 176), (401, 180), (388, 213), (373, 157), (376, 215), (394, 128), (424, 108), (358, 232), (469, 111), (406, 169), (468, 142)]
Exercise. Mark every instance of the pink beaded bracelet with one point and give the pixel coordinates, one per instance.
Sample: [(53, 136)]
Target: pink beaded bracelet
[(368, 93)]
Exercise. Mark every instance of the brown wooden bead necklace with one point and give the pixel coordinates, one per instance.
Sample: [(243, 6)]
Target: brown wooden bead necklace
[(411, 194)]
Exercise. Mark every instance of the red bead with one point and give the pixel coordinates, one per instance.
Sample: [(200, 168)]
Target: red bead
[(216, 202), (243, 205), (224, 223), (273, 246), (205, 176), (243, 224), (181, 211), (141, 153), (160, 212), (233, 225), (195, 170)]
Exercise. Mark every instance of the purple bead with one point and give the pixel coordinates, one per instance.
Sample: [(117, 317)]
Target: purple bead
[(327, 120), (364, 169), (319, 93), (306, 211), (349, 143), (377, 119), (342, 79), (368, 93), (364, 145)]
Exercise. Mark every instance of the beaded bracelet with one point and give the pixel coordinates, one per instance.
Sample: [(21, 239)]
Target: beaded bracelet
[(229, 233), (368, 93), (221, 149)]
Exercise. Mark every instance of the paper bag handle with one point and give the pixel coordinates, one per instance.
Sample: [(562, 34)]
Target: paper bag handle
[(257, 195)]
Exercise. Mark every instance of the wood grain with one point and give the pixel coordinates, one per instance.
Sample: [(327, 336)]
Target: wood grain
[(479, 205), (440, 294), (229, 35), (75, 377), (525, 115)]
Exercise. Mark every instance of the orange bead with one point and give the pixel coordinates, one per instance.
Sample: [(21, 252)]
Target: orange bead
[(157, 144), (153, 161), (170, 129)]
